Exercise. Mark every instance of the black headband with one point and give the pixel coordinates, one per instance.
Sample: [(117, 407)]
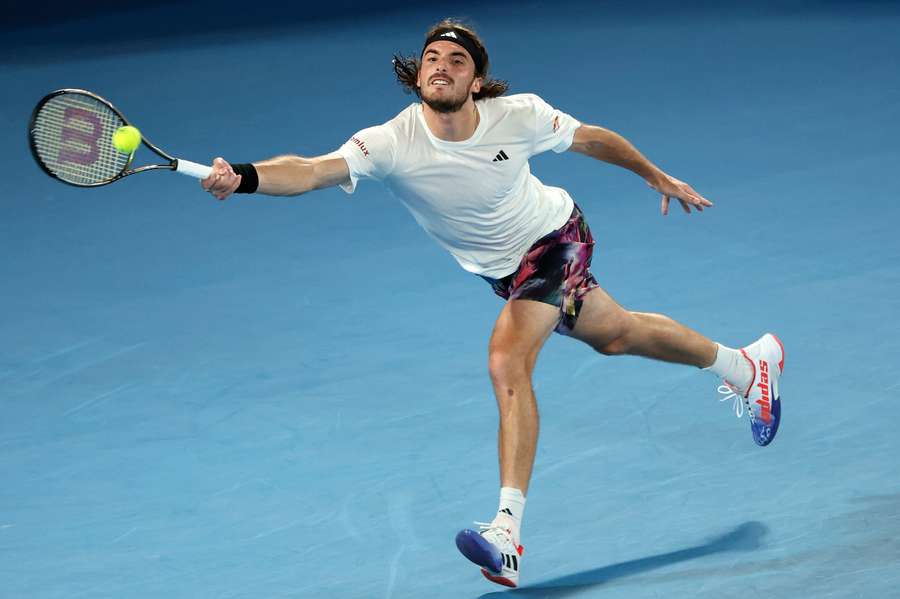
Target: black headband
[(460, 38)]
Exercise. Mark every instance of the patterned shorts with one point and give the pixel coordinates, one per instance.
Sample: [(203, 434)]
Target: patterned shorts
[(555, 271)]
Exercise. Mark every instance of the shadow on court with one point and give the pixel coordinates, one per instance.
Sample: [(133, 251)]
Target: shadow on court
[(746, 537)]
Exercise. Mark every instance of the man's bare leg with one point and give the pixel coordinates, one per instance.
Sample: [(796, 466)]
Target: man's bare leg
[(610, 329), (752, 371), (521, 330)]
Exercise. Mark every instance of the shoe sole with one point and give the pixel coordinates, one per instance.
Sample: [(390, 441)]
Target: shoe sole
[(479, 551), (498, 579)]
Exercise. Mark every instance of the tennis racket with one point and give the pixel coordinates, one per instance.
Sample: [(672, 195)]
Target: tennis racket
[(70, 135)]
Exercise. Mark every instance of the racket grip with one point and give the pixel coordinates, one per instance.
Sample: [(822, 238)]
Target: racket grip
[(192, 169)]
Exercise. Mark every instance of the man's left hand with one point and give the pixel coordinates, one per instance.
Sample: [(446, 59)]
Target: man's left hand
[(670, 187)]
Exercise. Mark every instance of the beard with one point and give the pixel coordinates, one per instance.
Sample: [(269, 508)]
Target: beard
[(446, 105)]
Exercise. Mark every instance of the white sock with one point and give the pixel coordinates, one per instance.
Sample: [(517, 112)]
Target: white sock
[(732, 366), (511, 510)]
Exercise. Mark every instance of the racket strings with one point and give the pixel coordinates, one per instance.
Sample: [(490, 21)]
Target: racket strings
[(72, 135)]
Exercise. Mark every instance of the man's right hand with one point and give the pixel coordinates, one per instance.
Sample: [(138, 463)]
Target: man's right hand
[(222, 181)]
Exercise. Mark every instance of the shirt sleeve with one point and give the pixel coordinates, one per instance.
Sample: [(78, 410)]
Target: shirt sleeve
[(553, 129), (369, 155)]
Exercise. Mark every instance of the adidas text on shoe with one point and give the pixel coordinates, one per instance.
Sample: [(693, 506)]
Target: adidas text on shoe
[(763, 400)]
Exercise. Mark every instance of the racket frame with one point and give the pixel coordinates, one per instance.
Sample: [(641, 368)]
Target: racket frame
[(125, 172)]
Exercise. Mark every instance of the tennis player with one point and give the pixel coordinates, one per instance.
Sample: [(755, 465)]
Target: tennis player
[(459, 162)]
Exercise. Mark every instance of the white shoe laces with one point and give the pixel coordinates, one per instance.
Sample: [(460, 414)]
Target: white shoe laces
[(731, 393), (495, 534)]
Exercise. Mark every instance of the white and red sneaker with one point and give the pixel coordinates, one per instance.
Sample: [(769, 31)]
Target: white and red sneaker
[(495, 550), (762, 400)]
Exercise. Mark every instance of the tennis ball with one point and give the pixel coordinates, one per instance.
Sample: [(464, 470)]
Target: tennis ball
[(126, 139)]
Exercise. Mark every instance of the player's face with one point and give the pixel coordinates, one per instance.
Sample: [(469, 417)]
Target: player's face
[(447, 77)]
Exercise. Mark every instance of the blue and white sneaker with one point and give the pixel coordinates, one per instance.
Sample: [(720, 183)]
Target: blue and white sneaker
[(762, 400), (495, 550)]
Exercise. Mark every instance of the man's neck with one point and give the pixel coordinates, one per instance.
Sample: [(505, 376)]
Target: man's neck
[(454, 126)]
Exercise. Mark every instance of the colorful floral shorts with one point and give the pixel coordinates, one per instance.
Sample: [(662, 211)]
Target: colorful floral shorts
[(555, 271)]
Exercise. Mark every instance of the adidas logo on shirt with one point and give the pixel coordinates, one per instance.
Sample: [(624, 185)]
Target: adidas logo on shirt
[(500, 157)]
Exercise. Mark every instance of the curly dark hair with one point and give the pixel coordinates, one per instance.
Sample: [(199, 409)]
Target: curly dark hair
[(407, 67)]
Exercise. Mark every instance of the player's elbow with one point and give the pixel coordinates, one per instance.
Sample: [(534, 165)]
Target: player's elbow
[(589, 140)]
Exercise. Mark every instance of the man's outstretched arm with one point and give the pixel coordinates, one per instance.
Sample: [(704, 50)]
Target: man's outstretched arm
[(280, 176), (611, 147)]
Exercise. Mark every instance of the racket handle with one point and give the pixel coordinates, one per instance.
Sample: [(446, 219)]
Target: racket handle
[(192, 169)]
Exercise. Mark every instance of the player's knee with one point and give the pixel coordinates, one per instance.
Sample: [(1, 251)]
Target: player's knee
[(618, 346), (506, 366), (617, 337)]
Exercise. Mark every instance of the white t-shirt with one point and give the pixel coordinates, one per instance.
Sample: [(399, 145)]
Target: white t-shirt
[(477, 198)]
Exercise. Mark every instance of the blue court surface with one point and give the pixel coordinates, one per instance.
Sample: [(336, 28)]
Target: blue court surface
[(288, 397)]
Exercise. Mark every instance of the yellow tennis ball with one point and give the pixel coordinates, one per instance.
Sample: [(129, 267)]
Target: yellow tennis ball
[(126, 139)]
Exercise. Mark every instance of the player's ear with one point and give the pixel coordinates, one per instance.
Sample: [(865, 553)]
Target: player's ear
[(476, 84)]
